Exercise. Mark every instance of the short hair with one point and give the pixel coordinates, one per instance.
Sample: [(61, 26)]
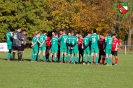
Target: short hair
[(101, 34), (64, 30), (109, 33), (56, 33), (12, 30), (88, 32), (61, 29), (18, 27), (44, 31), (94, 31), (114, 35), (23, 30)]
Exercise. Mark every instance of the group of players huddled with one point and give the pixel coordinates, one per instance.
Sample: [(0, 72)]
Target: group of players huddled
[(66, 48)]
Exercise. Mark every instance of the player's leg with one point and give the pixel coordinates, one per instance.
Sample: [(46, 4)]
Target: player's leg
[(44, 56), (73, 57), (113, 57), (44, 53), (116, 57), (55, 56), (39, 53), (76, 55), (35, 53), (100, 56), (9, 52), (68, 55), (107, 57), (92, 55), (65, 55), (20, 52), (96, 53), (14, 52), (50, 56), (22, 49), (89, 56), (61, 54)]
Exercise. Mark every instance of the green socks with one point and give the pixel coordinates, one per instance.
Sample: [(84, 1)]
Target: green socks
[(107, 60), (38, 58), (61, 58), (55, 59), (44, 58), (50, 58), (96, 59), (110, 61), (9, 56), (77, 59)]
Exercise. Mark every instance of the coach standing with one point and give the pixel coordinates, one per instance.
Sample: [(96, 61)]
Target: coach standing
[(17, 39)]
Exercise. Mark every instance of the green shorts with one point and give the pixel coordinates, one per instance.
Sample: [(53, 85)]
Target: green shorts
[(108, 51), (63, 50), (69, 51), (54, 50), (34, 51), (43, 48), (9, 47), (87, 51), (94, 50), (75, 51)]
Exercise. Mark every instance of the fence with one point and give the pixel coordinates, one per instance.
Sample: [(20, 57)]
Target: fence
[(126, 49)]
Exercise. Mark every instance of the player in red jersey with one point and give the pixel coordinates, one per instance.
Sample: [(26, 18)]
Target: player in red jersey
[(115, 47), (101, 49), (48, 45), (80, 47)]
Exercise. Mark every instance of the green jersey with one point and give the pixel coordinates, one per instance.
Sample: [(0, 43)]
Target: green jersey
[(9, 35), (94, 38), (35, 42), (69, 39), (86, 41), (63, 40), (108, 41), (42, 40), (54, 42), (74, 41)]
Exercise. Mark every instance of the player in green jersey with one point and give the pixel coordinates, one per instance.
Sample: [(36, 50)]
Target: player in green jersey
[(9, 38), (75, 51), (108, 49), (94, 38), (35, 46), (69, 50), (54, 47), (42, 46), (63, 46), (86, 44)]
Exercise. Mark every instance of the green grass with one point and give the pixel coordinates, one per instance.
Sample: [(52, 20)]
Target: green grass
[(55, 75)]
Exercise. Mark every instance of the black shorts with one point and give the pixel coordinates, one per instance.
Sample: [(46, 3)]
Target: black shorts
[(80, 51), (101, 52), (114, 53), (22, 47), (18, 48)]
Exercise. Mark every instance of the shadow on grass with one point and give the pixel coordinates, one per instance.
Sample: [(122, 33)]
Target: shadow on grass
[(15, 59)]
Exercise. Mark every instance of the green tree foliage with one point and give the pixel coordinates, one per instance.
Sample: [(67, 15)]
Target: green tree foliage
[(28, 14)]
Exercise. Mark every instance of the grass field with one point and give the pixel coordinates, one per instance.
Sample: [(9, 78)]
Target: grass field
[(54, 75)]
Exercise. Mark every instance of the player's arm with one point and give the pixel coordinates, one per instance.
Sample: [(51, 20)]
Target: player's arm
[(105, 42), (25, 41), (98, 41), (119, 44)]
